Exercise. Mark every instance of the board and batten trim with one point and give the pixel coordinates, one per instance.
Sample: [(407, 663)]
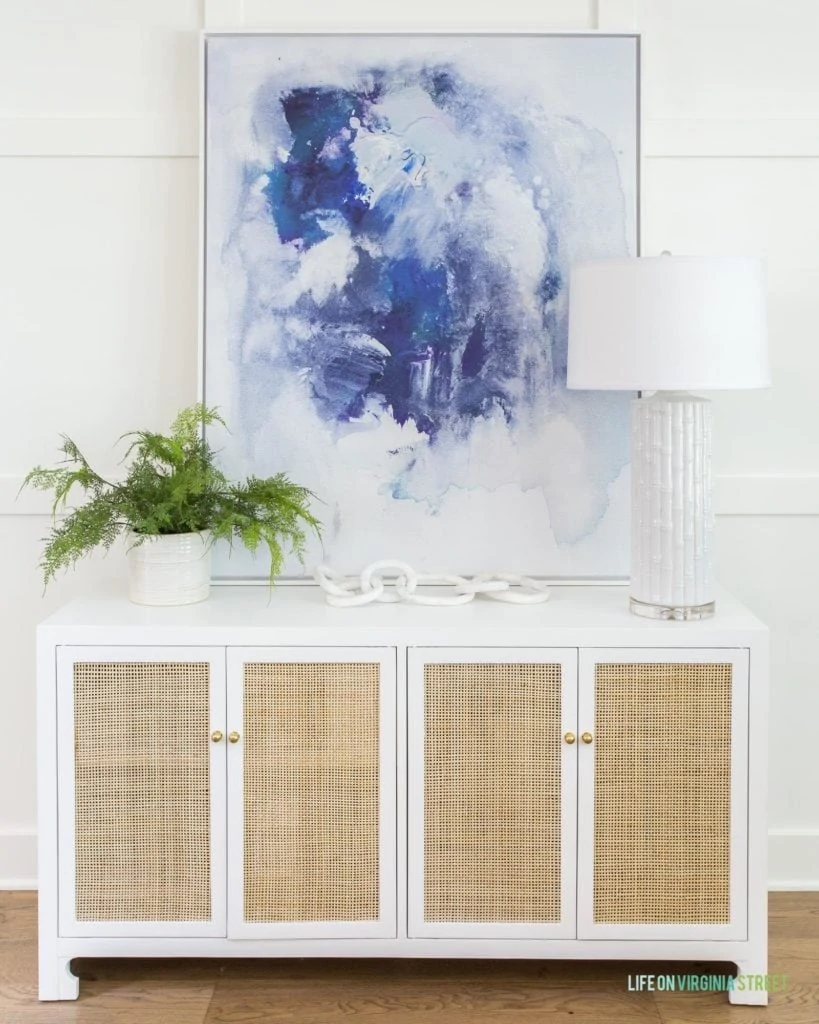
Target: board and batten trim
[(730, 137), (793, 859), (163, 136), (763, 494)]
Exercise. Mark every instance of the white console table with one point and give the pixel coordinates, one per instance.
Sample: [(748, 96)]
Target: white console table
[(268, 776)]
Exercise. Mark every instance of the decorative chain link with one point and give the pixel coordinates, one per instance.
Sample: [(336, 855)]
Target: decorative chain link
[(390, 581)]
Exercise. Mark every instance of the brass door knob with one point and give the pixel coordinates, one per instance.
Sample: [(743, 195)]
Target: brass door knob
[(233, 737), (216, 736), (569, 737), (587, 737)]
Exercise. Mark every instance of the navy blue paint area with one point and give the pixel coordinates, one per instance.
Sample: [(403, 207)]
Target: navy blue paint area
[(316, 177), (436, 344), (474, 355)]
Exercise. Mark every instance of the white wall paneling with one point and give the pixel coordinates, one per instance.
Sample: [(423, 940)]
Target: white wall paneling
[(18, 859), (617, 15), (98, 183), (730, 58), (765, 208), (99, 312), (774, 494), (793, 856), (98, 58), (221, 14), (422, 16)]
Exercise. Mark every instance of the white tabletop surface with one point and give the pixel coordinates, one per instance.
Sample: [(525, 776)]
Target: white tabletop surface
[(293, 607)]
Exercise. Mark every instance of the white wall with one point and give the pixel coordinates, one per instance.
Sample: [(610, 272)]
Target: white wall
[(98, 241)]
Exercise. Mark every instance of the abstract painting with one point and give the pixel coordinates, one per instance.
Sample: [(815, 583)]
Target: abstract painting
[(390, 222)]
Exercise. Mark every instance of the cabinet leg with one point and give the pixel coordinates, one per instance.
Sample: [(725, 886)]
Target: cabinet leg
[(57, 980), (751, 987)]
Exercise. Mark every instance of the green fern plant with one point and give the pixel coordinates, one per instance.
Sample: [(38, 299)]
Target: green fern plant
[(172, 485)]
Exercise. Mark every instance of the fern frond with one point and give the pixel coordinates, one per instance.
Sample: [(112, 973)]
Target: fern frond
[(90, 526), (189, 422)]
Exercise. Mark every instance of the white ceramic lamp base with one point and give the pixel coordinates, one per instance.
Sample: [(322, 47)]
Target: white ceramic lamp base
[(672, 510)]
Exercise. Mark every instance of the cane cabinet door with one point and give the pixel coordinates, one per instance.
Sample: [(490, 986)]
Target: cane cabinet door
[(662, 777), (141, 791), (492, 792), (311, 782)]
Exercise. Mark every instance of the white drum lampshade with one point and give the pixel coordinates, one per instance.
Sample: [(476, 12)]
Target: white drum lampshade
[(669, 324)]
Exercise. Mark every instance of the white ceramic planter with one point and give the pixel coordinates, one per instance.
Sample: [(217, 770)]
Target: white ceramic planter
[(171, 569)]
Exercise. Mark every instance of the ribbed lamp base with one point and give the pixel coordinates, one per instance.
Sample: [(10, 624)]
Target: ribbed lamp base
[(672, 511)]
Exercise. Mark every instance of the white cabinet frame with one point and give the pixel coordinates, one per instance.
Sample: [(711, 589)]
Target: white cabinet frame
[(385, 926), (69, 926), (737, 928), (417, 658)]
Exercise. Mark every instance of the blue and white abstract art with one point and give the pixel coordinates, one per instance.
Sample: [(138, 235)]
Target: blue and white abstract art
[(390, 221)]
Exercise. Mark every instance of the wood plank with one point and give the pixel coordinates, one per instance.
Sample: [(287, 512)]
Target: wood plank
[(798, 1005), (480, 999), (18, 915), (797, 958), (794, 915)]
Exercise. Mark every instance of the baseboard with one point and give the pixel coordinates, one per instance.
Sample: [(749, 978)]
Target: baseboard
[(793, 860), (18, 860)]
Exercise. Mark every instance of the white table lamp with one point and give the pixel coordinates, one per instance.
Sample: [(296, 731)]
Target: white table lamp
[(667, 324)]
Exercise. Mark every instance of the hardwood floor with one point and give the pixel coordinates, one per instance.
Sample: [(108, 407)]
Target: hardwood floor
[(398, 991)]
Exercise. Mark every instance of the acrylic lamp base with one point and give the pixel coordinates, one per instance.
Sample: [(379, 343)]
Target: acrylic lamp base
[(681, 613)]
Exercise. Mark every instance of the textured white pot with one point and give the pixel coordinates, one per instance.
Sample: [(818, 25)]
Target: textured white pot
[(171, 569)]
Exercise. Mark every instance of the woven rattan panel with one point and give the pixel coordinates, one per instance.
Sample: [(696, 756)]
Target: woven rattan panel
[(662, 794), (492, 793), (142, 792), (311, 792)]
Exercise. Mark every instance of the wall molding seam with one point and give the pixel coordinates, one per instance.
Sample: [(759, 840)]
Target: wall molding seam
[(730, 137), (763, 494), (161, 136)]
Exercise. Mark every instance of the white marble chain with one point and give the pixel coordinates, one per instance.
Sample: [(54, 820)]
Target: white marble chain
[(390, 581)]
